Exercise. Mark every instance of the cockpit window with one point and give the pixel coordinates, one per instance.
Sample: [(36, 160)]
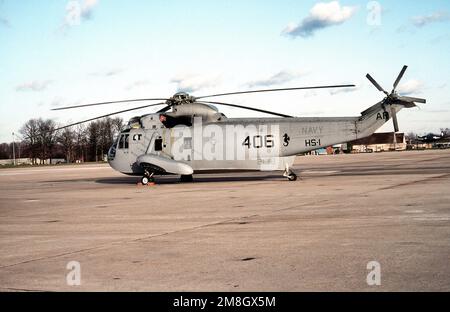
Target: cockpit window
[(119, 145), (123, 141), (126, 140)]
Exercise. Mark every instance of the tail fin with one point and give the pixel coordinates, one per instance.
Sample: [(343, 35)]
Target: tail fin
[(377, 115)]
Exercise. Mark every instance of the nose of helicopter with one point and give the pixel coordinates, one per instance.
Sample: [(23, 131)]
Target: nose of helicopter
[(119, 162), (112, 156)]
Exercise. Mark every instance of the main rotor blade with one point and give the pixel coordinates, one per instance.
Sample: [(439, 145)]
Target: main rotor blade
[(249, 108), (275, 90), (375, 83), (111, 102), (411, 99), (107, 115), (164, 109), (402, 72)]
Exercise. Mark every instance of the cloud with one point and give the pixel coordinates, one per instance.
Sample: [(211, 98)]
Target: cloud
[(410, 87), (309, 93), (344, 90), (57, 101), (34, 85), (60, 102), (78, 11), (405, 28), (87, 8), (190, 83), (321, 15), (276, 79), (107, 73), (423, 20), (433, 111), (137, 84), (4, 22), (440, 38)]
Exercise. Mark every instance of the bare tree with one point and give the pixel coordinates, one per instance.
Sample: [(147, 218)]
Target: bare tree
[(81, 142), (117, 125), (31, 136), (94, 134), (105, 135), (66, 138), (89, 142), (101, 135), (47, 138), (4, 151)]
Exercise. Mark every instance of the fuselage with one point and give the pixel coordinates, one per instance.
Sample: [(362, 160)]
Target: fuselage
[(218, 143)]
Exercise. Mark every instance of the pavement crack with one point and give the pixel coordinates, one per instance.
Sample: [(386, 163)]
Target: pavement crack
[(415, 182), (49, 257), (114, 244)]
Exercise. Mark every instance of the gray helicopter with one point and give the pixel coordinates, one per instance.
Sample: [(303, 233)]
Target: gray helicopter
[(190, 135)]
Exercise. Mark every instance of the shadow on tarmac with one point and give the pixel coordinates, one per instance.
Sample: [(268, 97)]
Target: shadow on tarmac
[(197, 179)]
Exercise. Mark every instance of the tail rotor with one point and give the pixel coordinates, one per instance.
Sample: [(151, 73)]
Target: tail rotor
[(394, 98)]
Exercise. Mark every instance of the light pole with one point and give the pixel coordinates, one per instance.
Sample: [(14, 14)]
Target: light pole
[(14, 150)]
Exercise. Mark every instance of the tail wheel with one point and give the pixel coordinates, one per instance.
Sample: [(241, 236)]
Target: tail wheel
[(292, 177)]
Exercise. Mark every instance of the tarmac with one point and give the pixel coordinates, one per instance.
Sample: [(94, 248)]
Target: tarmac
[(231, 232)]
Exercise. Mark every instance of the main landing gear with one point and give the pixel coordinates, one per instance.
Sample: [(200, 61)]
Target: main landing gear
[(147, 178), (289, 174)]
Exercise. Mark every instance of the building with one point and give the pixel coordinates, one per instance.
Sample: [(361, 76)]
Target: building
[(379, 142)]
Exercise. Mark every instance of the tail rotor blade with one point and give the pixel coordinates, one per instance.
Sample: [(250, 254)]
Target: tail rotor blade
[(394, 119), (375, 83), (411, 99), (402, 72)]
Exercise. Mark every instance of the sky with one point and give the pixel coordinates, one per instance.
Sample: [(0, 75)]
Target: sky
[(57, 53)]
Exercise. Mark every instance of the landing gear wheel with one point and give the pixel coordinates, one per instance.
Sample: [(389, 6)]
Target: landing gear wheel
[(292, 177), (289, 174), (186, 178), (145, 180)]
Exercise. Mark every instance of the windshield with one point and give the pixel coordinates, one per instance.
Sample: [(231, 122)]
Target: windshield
[(112, 152)]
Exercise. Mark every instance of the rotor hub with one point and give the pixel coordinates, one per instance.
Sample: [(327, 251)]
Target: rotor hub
[(180, 98)]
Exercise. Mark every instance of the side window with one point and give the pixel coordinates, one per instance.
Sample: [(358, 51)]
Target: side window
[(187, 143), (158, 144)]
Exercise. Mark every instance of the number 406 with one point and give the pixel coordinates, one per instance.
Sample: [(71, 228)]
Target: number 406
[(259, 141)]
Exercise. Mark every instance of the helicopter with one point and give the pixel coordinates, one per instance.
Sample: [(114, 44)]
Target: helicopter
[(190, 135), (433, 138)]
